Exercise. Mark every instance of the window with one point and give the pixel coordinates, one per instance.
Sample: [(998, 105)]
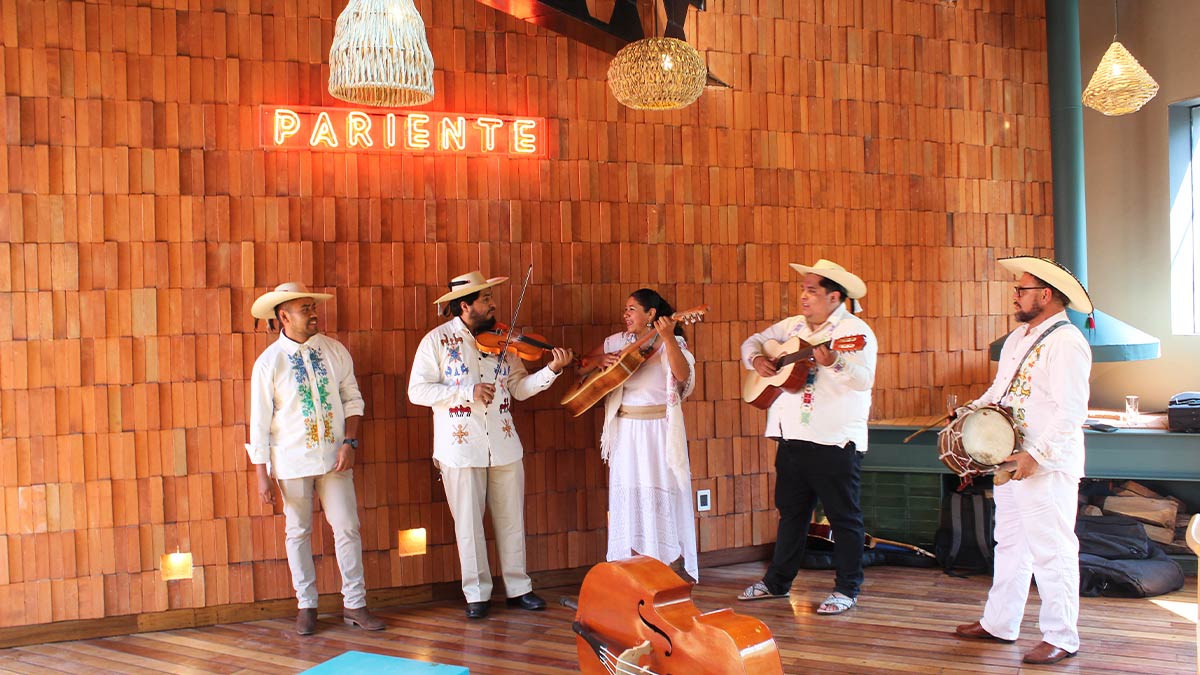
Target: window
[(1185, 217)]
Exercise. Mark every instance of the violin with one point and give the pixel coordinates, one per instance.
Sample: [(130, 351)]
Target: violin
[(637, 616), (527, 346)]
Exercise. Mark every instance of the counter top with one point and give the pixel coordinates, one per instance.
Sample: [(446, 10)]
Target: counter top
[(1134, 453)]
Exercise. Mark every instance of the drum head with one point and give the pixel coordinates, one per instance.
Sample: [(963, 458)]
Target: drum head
[(988, 436)]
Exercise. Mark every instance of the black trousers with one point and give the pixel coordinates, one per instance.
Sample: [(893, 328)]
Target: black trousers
[(804, 473)]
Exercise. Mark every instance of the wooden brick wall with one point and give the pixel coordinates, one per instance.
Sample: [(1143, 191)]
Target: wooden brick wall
[(139, 218)]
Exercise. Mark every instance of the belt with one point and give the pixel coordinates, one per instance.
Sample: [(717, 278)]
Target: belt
[(643, 412)]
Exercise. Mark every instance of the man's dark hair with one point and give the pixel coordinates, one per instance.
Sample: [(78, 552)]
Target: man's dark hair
[(1054, 292), (455, 308), (831, 286)]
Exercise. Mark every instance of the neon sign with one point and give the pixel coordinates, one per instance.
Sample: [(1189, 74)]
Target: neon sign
[(348, 130)]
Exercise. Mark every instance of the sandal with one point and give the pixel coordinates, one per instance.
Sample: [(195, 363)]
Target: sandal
[(836, 603), (759, 591)]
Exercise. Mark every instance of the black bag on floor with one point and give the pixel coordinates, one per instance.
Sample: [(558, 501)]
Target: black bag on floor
[(1112, 537), (966, 538), (1117, 559)]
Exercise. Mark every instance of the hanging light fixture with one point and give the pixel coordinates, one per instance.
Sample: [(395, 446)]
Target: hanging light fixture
[(1120, 84), (380, 56), (657, 73)]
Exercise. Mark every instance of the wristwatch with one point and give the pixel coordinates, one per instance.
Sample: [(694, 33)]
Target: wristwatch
[(352, 442)]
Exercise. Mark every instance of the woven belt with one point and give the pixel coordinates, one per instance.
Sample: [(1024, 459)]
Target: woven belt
[(643, 412)]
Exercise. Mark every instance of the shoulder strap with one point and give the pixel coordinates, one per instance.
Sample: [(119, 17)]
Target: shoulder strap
[(1029, 351)]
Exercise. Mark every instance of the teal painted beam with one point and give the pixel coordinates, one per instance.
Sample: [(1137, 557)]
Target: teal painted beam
[(1136, 454), (1066, 135)]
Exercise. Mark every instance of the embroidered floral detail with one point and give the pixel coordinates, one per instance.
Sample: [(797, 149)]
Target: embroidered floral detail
[(455, 368), (507, 429), (460, 434), (806, 403), (1022, 387), (308, 405), (839, 365)]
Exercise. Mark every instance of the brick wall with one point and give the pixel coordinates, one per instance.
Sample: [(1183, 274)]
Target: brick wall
[(139, 218)]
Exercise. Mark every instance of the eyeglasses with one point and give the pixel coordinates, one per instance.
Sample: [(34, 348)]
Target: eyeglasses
[(1018, 290)]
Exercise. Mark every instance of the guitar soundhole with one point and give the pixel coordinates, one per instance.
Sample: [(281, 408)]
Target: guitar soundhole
[(656, 629)]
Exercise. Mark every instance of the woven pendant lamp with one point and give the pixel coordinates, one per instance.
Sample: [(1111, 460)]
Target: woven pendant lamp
[(657, 73), (380, 56), (1120, 84)]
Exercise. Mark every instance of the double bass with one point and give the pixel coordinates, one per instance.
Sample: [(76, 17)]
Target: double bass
[(598, 383), (637, 616)]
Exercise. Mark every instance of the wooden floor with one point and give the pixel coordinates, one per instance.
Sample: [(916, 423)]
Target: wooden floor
[(903, 624)]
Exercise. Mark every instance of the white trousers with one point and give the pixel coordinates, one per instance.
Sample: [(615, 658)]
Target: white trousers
[(336, 490), (1035, 536), (500, 489)]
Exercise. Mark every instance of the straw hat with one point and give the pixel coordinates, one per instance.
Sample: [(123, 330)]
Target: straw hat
[(1054, 275), (466, 284), (264, 306), (855, 288)]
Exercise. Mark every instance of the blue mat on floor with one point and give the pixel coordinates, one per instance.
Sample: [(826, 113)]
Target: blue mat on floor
[(378, 664)]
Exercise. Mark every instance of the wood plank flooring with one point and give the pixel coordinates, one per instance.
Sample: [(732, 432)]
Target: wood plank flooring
[(904, 624)]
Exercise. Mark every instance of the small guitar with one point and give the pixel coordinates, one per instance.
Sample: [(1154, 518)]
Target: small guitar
[(824, 532), (598, 383), (792, 360)]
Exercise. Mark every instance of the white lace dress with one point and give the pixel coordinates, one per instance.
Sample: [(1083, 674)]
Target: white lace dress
[(649, 478)]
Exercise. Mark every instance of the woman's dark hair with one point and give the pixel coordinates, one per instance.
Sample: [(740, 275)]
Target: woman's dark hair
[(650, 299), (831, 286), (455, 308)]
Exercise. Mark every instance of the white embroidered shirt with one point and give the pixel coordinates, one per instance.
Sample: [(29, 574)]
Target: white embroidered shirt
[(1049, 399), (833, 408), (300, 397), (466, 433)]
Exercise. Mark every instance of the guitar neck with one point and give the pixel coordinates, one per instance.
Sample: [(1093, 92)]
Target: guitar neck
[(800, 355)]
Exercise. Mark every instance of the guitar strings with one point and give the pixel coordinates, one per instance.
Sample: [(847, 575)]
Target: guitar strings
[(607, 658)]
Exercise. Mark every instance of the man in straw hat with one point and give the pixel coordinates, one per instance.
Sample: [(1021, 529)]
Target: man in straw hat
[(821, 432), (1043, 378), (304, 414), (475, 443)]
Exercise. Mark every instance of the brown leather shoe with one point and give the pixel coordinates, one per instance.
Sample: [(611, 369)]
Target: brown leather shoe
[(974, 631), (360, 617), (306, 621), (1046, 653)]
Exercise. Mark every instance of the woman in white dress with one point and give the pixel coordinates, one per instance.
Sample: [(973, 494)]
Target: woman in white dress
[(644, 440)]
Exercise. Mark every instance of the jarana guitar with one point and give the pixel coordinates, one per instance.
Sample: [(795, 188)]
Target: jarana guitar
[(597, 384), (793, 360)]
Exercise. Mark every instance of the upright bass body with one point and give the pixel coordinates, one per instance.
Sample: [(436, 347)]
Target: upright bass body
[(626, 603)]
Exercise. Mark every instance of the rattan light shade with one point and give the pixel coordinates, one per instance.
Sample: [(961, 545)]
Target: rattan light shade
[(1120, 84), (380, 56), (657, 73)]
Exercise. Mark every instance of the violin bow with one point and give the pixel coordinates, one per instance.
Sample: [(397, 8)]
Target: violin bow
[(512, 325)]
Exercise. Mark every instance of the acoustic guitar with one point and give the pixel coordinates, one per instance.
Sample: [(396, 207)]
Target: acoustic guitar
[(793, 360), (598, 383)]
